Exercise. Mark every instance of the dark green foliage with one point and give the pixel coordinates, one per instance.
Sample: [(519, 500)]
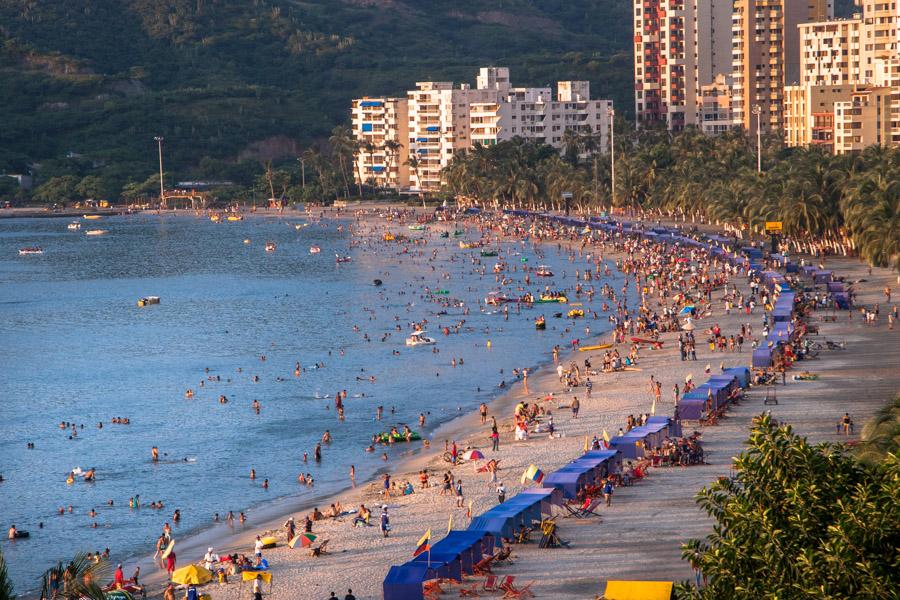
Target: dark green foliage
[(799, 522), (102, 77)]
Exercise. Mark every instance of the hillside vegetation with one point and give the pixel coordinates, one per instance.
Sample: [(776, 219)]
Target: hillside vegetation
[(226, 81)]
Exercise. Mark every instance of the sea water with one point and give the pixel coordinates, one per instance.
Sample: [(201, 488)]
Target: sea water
[(74, 347)]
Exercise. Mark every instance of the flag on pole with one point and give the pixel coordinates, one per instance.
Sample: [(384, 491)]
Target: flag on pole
[(587, 443), (450, 524), (605, 436), (423, 545), (532, 473), (469, 510)]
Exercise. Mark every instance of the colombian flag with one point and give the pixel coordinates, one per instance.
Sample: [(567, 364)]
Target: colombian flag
[(423, 546), (532, 473)]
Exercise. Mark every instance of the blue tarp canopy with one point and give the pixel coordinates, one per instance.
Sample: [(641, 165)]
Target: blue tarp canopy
[(842, 299), (691, 409), (741, 373), (762, 358), (835, 286), (404, 582), (822, 276), (503, 519)]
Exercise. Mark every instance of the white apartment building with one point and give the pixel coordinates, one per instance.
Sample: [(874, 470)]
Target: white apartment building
[(830, 52), (381, 129), (442, 120)]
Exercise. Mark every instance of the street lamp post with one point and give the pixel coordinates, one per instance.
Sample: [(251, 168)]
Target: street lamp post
[(612, 154), (757, 110), (302, 172), (162, 189)]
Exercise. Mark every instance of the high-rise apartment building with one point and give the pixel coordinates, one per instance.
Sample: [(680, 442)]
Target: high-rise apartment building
[(830, 52), (381, 128), (879, 36), (679, 46), (441, 120), (766, 56)]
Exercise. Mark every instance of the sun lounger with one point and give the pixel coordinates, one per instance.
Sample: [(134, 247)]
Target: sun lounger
[(523, 592), (506, 583), (469, 592), (483, 566), (490, 584), (588, 509)]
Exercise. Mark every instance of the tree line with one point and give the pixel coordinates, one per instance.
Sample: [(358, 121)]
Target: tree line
[(847, 204)]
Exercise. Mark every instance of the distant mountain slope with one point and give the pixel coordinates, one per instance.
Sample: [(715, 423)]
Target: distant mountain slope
[(101, 77)]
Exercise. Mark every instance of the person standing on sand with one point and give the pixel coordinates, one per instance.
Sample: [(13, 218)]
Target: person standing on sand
[(495, 438), (290, 528), (484, 412), (576, 405), (459, 493), (170, 563), (385, 521)]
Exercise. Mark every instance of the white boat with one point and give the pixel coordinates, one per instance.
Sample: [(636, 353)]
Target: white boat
[(543, 271), (418, 338), (270, 246), (314, 249), (31, 250), (342, 259), (95, 232), (74, 226)]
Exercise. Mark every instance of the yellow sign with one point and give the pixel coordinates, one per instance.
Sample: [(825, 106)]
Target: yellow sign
[(773, 226)]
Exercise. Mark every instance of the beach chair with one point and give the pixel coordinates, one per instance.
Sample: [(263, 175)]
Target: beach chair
[(483, 566), (588, 509), (523, 592), (506, 583), (469, 592), (490, 584), (317, 551), (432, 589)]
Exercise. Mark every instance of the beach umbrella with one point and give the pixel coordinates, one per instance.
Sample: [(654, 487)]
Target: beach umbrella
[(473, 455), (688, 325), (305, 540), (191, 574)]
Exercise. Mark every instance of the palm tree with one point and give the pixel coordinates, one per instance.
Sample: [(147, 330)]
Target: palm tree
[(6, 587), (391, 148), (81, 578), (881, 434), (343, 147)]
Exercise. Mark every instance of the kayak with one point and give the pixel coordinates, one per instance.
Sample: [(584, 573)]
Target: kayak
[(598, 347), (385, 437)]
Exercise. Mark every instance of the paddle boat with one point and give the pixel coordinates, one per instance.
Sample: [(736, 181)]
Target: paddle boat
[(314, 249), (418, 338), (31, 250), (270, 246), (74, 226), (342, 259), (543, 271), (96, 232), (147, 300), (540, 323)]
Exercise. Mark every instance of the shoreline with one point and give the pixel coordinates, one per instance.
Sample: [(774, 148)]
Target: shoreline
[(460, 428)]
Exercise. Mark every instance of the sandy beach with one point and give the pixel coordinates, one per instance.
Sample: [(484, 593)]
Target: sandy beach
[(640, 534)]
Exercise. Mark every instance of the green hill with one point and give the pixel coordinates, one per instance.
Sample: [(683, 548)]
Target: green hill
[(228, 80)]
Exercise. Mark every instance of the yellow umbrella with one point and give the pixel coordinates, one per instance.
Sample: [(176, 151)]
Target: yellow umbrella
[(251, 575), (191, 574)]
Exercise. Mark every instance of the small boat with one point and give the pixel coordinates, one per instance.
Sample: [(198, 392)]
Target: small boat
[(388, 237), (270, 246), (215, 218), (385, 437), (543, 271), (418, 338), (547, 298), (466, 245), (495, 298), (31, 250), (597, 347), (92, 217), (540, 323), (96, 232), (417, 227), (314, 249), (377, 282), (74, 226), (445, 234), (147, 300), (575, 313), (458, 233), (489, 253), (342, 259), (235, 218), (246, 240)]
